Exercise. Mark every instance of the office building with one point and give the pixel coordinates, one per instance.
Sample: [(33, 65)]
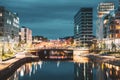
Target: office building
[(9, 31), (9, 25), (83, 26)]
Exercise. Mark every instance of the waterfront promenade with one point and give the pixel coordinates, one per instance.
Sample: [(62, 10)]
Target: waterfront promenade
[(95, 57), (18, 56), (110, 59)]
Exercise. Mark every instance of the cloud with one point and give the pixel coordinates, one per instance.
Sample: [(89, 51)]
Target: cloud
[(56, 29), (49, 16)]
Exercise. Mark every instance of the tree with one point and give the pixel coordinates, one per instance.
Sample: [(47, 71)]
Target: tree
[(113, 46)]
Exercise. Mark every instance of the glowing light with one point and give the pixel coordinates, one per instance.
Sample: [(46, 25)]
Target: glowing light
[(102, 66), (58, 63), (80, 59), (30, 71), (0, 14), (117, 68), (40, 63), (77, 74), (22, 72), (110, 66)]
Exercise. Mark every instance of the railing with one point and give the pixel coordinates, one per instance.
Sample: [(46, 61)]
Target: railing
[(62, 48)]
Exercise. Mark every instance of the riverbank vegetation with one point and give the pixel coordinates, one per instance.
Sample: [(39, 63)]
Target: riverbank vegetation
[(7, 55)]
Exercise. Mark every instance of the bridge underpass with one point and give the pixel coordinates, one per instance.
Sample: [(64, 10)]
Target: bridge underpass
[(54, 54)]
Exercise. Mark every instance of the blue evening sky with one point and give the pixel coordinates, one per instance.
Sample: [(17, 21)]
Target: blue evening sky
[(50, 18)]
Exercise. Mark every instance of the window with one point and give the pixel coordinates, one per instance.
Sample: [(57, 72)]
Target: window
[(8, 21)]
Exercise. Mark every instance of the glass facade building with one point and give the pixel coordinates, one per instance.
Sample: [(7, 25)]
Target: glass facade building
[(103, 10), (9, 32), (83, 26), (9, 25)]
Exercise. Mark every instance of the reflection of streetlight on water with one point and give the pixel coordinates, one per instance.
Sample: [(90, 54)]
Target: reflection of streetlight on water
[(84, 40)]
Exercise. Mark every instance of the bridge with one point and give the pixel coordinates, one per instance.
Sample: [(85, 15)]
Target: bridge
[(53, 53), (58, 48)]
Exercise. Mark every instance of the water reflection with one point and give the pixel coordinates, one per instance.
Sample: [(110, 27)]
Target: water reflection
[(96, 71), (83, 71), (80, 69), (46, 70)]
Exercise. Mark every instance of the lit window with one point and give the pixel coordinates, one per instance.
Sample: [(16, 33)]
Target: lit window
[(8, 21), (0, 14)]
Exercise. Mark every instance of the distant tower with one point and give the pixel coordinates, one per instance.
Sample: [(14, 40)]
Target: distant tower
[(103, 9)]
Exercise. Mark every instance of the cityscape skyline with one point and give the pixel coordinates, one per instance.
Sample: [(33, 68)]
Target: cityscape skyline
[(51, 19), (66, 39)]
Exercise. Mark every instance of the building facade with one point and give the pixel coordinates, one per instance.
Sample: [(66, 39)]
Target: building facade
[(83, 26), (114, 29), (25, 35), (9, 32), (111, 29), (9, 25), (103, 10)]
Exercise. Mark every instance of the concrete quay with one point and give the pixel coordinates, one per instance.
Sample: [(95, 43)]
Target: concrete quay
[(8, 67), (104, 59)]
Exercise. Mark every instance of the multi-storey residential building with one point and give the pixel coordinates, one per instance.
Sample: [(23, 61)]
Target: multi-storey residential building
[(112, 28), (25, 35), (112, 24), (9, 31), (103, 10), (83, 26), (9, 24)]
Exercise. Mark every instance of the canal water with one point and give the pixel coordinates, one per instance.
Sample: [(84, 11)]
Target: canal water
[(66, 70)]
